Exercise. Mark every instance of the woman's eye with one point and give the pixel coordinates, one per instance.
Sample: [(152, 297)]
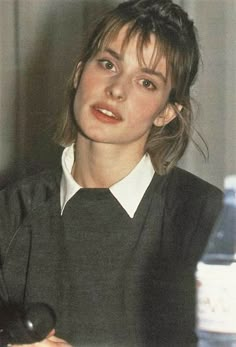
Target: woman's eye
[(148, 84), (107, 64)]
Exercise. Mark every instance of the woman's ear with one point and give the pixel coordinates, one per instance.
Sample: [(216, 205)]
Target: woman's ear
[(167, 115), (77, 75)]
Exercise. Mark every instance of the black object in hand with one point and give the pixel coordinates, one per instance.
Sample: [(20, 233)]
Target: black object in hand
[(18, 326)]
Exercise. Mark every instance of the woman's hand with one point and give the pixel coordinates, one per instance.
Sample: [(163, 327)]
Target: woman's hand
[(50, 341)]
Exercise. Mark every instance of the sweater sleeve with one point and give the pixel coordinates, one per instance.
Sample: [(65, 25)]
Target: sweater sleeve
[(12, 211), (210, 205), (11, 215), (17, 201), (191, 209)]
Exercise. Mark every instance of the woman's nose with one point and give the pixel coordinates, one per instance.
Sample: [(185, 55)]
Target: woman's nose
[(117, 89)]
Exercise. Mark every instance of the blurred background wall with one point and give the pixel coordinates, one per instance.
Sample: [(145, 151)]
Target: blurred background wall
[(39, 43)]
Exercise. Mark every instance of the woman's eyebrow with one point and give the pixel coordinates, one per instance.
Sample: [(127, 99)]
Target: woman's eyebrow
[(155, 73), (115, 54)]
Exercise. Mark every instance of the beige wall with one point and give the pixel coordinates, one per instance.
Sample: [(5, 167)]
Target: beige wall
[(7, 88), (39, 40), (215, 90)]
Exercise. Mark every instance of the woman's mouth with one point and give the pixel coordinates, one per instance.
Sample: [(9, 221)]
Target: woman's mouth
[(106, 114)]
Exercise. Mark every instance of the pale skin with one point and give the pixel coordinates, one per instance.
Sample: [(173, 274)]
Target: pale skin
[(117, 101)]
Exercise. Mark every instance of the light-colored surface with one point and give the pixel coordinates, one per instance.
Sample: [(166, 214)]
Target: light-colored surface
[(216, 285), (7, 84), (215, 89)]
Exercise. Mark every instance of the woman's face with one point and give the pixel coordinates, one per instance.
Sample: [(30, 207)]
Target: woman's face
[(118, 100)]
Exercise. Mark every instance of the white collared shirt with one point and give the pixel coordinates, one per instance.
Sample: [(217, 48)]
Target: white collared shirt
[(128, 191)]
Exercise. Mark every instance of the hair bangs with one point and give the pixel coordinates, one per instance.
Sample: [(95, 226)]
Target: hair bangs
[(160, 49), (110, 32)]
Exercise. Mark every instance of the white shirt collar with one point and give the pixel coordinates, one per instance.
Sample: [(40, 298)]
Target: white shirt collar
[(128, 191)]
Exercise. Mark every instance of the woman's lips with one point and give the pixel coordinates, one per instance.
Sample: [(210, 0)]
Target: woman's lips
[(106, 114)]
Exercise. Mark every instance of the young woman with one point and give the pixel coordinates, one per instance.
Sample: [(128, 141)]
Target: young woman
[(112, 240)]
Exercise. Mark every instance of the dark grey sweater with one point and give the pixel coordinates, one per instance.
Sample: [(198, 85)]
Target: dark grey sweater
[(112, 280)]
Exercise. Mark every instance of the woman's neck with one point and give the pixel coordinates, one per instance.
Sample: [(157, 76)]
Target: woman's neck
[(99, 165)]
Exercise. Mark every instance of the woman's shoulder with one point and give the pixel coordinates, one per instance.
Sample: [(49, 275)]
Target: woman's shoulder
[(29, 192), (190, 185), (192, 206), (45, 180), (23, 198)]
